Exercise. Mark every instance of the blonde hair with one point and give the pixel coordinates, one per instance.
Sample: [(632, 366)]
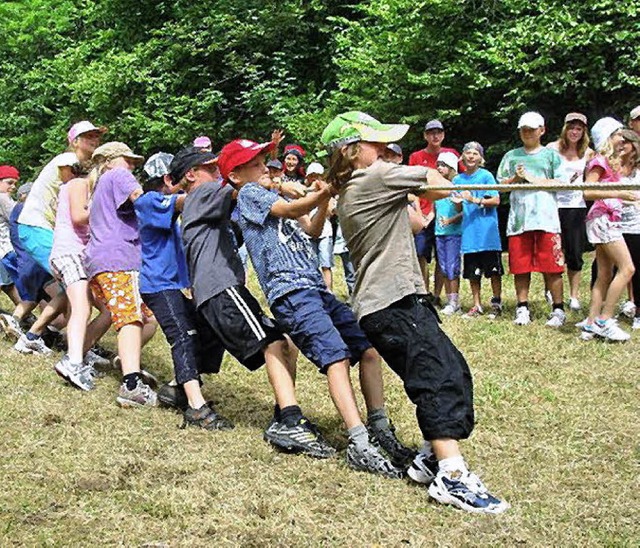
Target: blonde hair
[(608, 150), (341, 164), (100, 166), (583, 143)]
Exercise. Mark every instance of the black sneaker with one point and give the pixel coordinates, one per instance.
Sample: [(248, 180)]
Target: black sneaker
[(299, 438), (54, 340), (399, 455), (368, 458), (173, 396), (206, 418)]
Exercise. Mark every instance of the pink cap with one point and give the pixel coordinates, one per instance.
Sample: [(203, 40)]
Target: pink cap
[(79, 128), (202, 142)]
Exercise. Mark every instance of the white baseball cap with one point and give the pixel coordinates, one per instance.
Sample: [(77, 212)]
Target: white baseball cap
[(79, 128), (532, 120), (449, 159), (635, 113), (315, 167), (603, 129)]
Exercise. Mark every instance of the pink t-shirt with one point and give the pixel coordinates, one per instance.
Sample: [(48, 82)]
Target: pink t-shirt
[(68, 238), (611, 207)]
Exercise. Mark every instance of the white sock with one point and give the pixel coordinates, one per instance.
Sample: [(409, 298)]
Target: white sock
[(453, 298), (452, 464)]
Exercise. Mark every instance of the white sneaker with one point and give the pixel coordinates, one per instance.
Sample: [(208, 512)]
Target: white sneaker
[(36, 346), (523, 316), (11, 326), (423, 469), (92, 359), (79, 375), (450, 309), (465, 491), (636, 323), (556, 318), (582, 323), (628, 309), (611, 331), (574, 304)]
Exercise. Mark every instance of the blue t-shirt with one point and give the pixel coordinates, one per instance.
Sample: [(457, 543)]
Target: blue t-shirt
[(164, 265), (445, 208), (479, 224), (282, 256)]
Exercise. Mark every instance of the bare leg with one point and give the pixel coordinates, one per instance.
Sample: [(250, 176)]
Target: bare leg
[(328, 278), (438, 281), (78, 295), (50, 312), (445, 448), (475, 291), (98, 326), (276, 358), (603, 279), (12, 293), (148, 330), (522, 283), (342, 393), (554, 284), (194, 394), (371, 382), (574, 277), (424, 268), (129, 345), (23, 309), (619, 256), (496, 286)]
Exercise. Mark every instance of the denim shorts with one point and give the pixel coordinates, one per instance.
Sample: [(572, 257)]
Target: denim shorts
[(448, 250), (324, 249), (323, 328)]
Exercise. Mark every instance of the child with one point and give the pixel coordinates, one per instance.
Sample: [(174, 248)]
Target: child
[(391, 304), (323, 328), (232, 312), (293, 164), (9, 177), (112, 263), (163, 278), (534, 226), (481, 247), (448, 235), (616, 158)]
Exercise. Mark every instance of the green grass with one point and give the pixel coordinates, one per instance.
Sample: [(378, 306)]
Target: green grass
[(556, 435)]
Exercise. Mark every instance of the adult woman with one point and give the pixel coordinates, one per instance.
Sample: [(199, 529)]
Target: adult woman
[(573, 147)]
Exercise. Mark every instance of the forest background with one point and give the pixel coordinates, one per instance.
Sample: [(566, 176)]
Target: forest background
[(159, 73)]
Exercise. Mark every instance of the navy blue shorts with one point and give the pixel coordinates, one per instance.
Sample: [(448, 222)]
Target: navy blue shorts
[(28, 276), (323, 328), (425, 241)]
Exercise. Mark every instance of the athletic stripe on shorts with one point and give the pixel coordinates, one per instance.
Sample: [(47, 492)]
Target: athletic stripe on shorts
[(249, 316)]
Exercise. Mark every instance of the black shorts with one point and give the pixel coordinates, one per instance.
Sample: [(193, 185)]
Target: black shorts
[(488, 263), (435, 374), (243, 329), (574, 235)]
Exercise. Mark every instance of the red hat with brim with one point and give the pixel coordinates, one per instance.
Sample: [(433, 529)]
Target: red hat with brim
[(9, 172), (239, 152)]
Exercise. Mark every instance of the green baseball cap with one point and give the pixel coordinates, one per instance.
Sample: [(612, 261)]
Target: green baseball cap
[(354, 126)]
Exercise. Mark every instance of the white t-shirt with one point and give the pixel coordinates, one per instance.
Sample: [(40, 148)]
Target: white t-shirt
[(630, 223), (6, 207), (42, 202)]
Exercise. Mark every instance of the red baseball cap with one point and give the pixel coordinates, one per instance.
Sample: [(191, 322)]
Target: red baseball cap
[(239, 152), (9, 172)]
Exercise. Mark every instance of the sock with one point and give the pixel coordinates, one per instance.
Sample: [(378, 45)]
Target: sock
[(523, 303), (32, 336), (131, 380), (557, 306), (426, 449), (359, 435), (452, 464), (453, 298), (291, 415), (276, 413), (377, 418)]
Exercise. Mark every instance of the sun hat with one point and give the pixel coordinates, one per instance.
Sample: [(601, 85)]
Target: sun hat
[(315, 167), (448, 159), (354, 126), (79, 128), (395, 148), (635, 113), (532, 120), (433, 124), (575, 117), (239, 152), (158, 165), (202, 142), (274, 164), (603, 129), (115, 149), (187, 158), (23, 190), (474, 145), (9, 172)]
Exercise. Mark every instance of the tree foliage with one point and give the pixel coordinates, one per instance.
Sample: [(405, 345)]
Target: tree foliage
[(159, 73)]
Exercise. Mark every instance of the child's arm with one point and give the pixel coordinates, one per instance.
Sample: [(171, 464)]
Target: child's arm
[(313, 225), (78, 201), (435, 179), (445, 221), (302, 206), (594, 176)]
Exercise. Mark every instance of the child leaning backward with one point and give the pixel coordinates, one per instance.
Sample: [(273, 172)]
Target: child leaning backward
[(324, 329), (391, 304)]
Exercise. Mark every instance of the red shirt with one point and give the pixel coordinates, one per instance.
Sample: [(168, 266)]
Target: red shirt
[(428, 159)]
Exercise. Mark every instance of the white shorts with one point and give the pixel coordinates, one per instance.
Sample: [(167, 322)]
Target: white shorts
[(603, 230), (68, 269)]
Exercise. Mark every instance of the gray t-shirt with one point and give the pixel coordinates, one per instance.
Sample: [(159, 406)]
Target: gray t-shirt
[(373, 216), (210, 246), (6, 207)]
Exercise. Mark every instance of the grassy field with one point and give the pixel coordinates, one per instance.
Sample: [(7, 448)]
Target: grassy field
[(557, 436)]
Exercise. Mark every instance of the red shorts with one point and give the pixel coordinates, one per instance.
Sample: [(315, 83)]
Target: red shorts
[(536, 251)]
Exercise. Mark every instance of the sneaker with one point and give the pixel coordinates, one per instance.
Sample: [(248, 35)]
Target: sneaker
[(36, 346), (173, 396), (54, 339), (474, 312), (95, 360), (467, 492), (368, 458), (636, 323), (299, 438), (581, 324), (496, 309), (574, 304), (78, 375), (141, 396), (450, 309), (148, 377), (423, 469), (611, 331), (523, 316), (587, 332), (206, 418), (102, 352), (11, 326), (399, 455), (628, 309), (556, 318)]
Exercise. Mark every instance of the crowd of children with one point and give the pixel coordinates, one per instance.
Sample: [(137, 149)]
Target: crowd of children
[(173, 252)]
